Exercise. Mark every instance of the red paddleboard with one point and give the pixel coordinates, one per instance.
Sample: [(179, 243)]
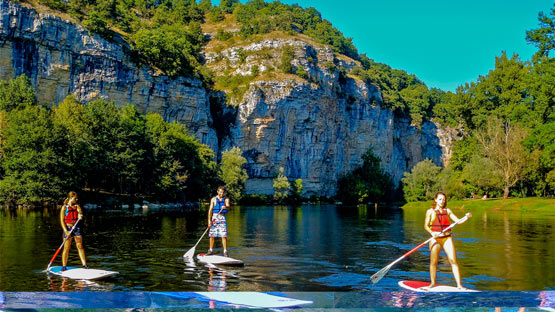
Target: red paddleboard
[(419, 286)]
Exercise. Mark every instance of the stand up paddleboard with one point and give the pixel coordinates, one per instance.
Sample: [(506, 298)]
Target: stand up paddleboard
[(245, 299), (221, 260), (81, 273), (423, 287)]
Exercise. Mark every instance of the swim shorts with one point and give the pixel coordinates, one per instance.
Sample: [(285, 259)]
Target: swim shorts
[(219, 226)]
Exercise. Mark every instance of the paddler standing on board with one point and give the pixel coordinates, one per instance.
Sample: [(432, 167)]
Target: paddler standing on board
[(69, 215), (219, 206), (437, 219)]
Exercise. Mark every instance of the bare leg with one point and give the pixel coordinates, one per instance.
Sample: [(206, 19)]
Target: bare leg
[(224, 242), (80, 249), (211, 243), (451, 252), (65, 252), (434, 256)]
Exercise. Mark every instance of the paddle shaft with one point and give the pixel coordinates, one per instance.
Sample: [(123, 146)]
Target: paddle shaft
[(428, 240), (207, 228), (377, 277), (63, 243)]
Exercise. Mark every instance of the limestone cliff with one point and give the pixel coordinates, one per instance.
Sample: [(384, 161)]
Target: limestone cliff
[(317, 127), (63, 58)]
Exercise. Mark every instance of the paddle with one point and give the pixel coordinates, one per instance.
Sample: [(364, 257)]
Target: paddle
[(191, 252), (381, 273), (62, 245)]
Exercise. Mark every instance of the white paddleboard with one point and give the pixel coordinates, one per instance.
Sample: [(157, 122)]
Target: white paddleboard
[(419, 286), (81, 273), (216, 259), (254, 299)]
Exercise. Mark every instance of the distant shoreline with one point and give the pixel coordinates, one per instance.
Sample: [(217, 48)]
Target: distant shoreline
[(510, 204)]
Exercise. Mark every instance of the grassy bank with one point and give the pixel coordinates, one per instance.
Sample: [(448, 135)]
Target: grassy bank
[(511, 204)]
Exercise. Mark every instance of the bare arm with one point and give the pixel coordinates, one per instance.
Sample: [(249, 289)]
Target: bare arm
[(212, 204), (427, 220), (62, 223), (80, 212), (455, 218)]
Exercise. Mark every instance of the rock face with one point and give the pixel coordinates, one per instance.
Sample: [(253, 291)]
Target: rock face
[(63, 58), (317, 127)]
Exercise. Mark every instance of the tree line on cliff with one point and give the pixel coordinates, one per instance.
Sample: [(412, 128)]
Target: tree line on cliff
[(167, 35), (47, 151), (505, 119)]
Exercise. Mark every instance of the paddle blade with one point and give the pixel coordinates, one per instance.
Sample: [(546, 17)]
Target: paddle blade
[(380, 274), (189, 254)]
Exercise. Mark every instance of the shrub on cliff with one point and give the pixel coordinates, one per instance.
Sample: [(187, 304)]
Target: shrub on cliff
[(367, 183)]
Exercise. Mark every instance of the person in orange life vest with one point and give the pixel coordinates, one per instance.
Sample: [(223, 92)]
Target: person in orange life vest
[(219, 206), (69, 214), (437, 219)]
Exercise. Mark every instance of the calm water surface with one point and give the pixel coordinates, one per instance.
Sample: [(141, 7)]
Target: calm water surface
[(306, 248)]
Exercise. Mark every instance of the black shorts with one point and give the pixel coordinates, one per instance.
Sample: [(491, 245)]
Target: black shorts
[(76, 232)]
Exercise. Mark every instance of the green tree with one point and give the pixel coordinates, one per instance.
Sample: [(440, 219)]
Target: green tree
[(542, 142), (281, 186), (543, 37), (368, 182), (483, 175), (422, 182), (70, 125), (297, 189), (232, 172), (287, 55), (228, 6), (30, 163), (131, 151), (501, 93), (102, 125), (454, 185), (17, 93), (502, 143)]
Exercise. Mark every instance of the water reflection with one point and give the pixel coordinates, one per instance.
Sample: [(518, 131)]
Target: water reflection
[(66, 284), (306, 248), (217, 280)]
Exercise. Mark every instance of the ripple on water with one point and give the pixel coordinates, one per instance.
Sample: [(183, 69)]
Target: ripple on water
[(343, 279)]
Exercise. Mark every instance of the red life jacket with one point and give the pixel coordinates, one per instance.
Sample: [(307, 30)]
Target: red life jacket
[(71, 215), (440, 220)]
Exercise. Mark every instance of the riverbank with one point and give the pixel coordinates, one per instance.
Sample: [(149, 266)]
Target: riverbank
[(510, 204)]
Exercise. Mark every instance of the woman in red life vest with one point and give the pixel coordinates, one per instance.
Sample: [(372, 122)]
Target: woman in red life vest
[(70, 213), (437, 219)]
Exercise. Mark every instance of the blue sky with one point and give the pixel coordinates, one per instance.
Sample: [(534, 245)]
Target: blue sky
[(445, 43)]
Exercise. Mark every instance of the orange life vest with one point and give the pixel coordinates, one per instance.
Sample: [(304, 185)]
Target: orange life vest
[(440, 220)]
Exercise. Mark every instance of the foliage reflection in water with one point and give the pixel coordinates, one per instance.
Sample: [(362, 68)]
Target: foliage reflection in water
[(306, 248)]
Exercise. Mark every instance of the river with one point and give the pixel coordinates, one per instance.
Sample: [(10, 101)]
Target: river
[(285, 248)]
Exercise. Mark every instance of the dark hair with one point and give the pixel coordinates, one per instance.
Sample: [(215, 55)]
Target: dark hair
[(444, 203)]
